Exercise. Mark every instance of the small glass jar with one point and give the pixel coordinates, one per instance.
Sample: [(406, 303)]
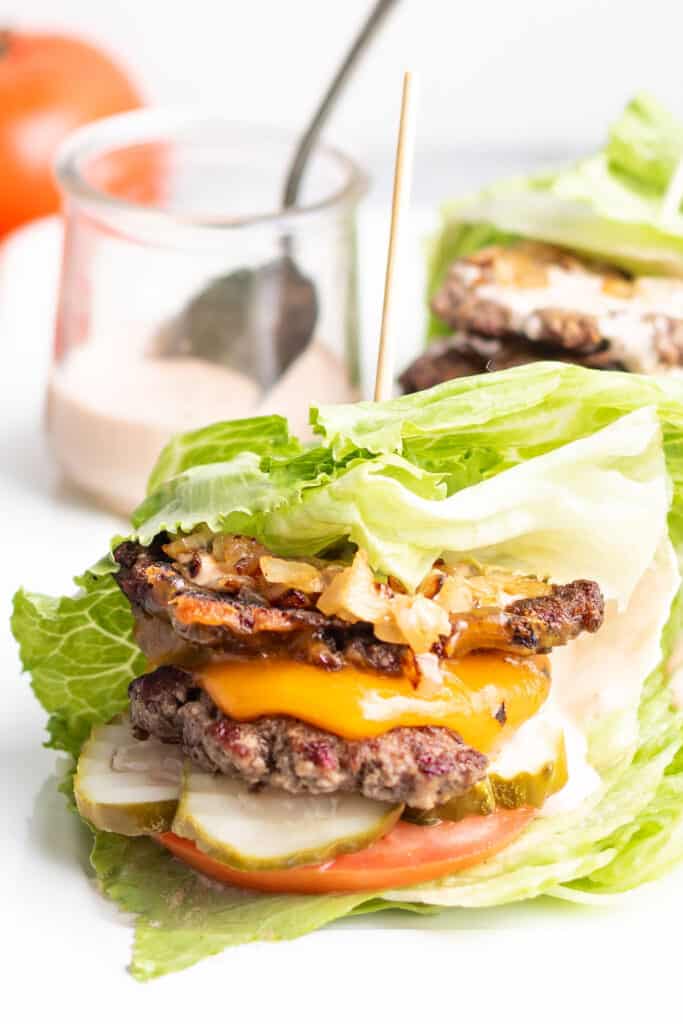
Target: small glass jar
[(188, 295)]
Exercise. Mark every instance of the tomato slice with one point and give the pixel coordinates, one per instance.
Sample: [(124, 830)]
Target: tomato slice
[(407, 855)]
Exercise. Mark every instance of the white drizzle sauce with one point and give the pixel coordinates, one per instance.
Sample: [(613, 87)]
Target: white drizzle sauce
[(620, 320)]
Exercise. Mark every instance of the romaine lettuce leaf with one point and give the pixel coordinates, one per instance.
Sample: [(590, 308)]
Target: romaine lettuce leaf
[(590, 209), (182, 918), (234, 493), (81, 656), (633, 834)]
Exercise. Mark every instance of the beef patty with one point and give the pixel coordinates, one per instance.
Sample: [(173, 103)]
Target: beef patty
[(549, 296), (465, 354), (175, 616), (422, 766)]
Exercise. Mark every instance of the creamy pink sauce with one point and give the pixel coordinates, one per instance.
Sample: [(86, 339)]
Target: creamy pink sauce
[(108, 419)]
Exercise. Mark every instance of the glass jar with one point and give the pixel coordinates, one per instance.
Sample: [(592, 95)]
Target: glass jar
[(188, 296)]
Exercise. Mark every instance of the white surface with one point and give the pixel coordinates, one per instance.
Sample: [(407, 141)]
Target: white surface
[(507, 72), (63, 948)]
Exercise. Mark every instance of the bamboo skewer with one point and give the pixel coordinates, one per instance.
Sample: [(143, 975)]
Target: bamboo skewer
[(403, 173)]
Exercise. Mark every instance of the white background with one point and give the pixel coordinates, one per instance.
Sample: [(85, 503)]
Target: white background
[(512, 74), (519, 80)]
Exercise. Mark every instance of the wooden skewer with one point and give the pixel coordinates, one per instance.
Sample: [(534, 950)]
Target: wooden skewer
[(403, 172)]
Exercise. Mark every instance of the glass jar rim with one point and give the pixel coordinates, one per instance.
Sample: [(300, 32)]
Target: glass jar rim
[(149, 125)]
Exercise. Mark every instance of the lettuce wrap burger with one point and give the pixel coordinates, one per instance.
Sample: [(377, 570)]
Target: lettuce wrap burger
[(429, 661), (582, 265)]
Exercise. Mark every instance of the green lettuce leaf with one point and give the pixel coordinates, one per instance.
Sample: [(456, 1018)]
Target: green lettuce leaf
[(613, 206), (182, 918), (479, 426), (646, 143), (224, 495), (81, 656), (236, 494), (565, 512), (403, 517), (262, 435), (633, 834), (591, 210), (515, 414)]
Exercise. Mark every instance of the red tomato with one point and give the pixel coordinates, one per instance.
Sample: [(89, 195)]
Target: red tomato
[(49, 85), (409, 854)]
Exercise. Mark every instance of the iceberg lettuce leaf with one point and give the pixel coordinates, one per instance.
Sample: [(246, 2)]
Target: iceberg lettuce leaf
[(220, 442), (564, 513), (646, 142), (593, 491), (483, 425)]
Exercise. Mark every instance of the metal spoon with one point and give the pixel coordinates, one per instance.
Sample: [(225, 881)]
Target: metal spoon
[(219, 324)]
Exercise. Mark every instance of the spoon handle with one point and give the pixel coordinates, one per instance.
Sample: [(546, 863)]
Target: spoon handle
[(310, 137)]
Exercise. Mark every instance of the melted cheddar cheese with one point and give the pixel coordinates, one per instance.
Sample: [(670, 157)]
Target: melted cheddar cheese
[(485, 697)]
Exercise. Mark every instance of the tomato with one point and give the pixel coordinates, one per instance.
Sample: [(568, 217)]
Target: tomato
[(49, 85), (409, 854)]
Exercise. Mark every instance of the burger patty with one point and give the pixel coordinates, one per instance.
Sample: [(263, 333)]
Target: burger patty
[(465, 354), (175, 616), (550, 297), (422, 766)]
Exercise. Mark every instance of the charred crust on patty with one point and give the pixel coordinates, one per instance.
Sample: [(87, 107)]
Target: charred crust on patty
[(244, 623)]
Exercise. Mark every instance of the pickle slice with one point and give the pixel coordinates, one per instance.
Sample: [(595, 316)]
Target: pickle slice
[(127, 785), (508, 785), (268, 829), (531, 788)]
